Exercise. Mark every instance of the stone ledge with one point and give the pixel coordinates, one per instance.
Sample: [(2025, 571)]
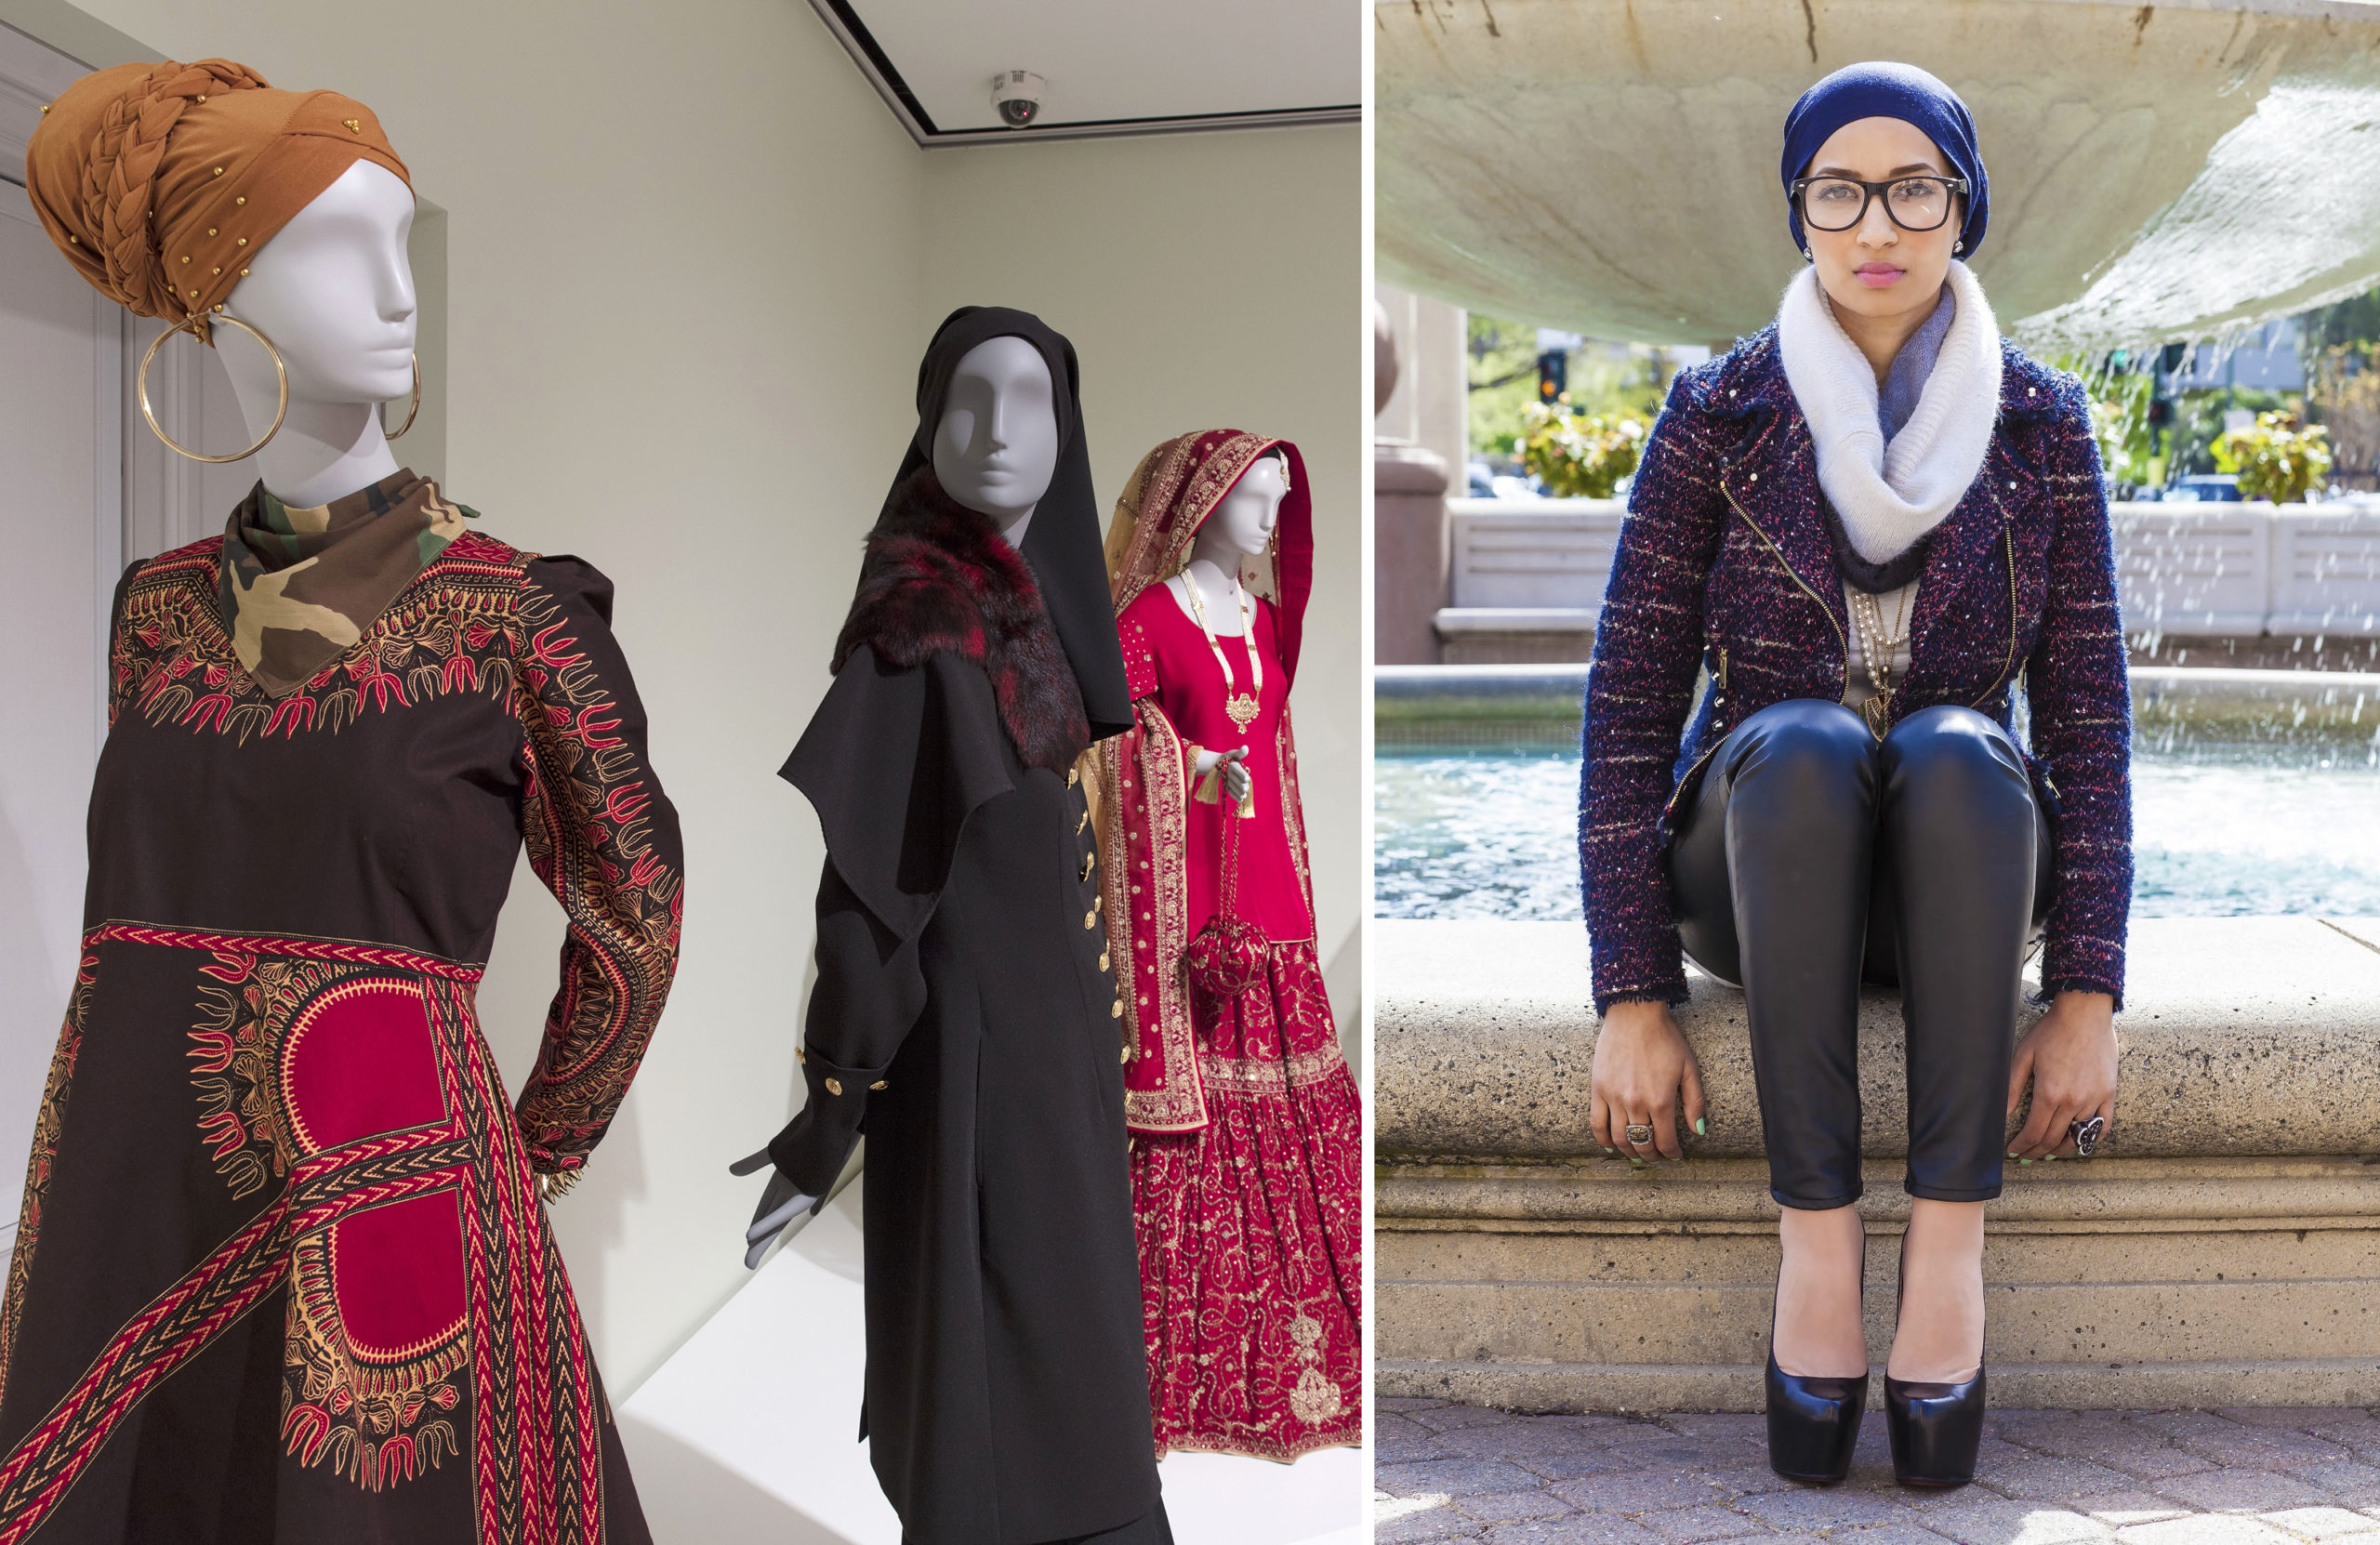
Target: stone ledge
[(1645, 1388), (2248, 1036)]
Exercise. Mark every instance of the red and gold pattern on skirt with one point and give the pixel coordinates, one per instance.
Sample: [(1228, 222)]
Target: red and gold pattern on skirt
[(1251, 1231)]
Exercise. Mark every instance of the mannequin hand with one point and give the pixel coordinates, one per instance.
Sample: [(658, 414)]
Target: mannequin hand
[(1237, 780), (1643, 1072), (2069, 1056), (780, 1204)]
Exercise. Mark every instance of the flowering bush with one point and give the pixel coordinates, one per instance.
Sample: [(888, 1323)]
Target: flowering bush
[(2276, 459), (1575, 457)]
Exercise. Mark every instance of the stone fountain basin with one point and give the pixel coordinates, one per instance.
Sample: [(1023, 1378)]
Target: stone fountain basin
[(2224, 1251), (1610, 166)]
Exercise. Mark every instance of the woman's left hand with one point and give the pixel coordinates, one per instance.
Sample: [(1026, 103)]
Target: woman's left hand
[(2069, 1058)]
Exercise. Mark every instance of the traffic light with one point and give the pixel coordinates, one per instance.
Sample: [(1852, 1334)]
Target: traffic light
[(1553, 375)]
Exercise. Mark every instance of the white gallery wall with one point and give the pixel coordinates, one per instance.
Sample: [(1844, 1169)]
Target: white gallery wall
[(691, 264)]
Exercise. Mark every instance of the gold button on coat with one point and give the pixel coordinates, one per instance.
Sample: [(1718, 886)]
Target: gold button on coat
[(1103, 959), (1090, 919), (834, 1085), (1116, 1010)]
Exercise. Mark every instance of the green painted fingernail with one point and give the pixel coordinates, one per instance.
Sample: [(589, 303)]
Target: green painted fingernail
[(2024, 1161), (1700, 1126)]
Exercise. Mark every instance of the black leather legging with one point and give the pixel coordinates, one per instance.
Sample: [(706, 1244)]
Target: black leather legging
[(1814, 856)]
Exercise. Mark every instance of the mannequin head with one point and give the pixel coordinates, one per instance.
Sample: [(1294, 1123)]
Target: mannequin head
[(996, 446), (1242, 522), (334, 291)]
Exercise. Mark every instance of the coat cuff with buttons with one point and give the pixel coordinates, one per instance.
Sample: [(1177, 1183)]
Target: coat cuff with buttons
[(811, 1151)]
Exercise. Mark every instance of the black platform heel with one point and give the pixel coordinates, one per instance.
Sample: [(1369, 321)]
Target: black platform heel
[(1936, 1428), (1813, 1420)]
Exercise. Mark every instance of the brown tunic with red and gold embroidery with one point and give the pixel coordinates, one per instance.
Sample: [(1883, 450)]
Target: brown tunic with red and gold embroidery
[(282, 1273)]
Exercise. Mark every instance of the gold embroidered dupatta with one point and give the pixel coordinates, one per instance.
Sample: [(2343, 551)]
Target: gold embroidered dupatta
[(1140, 779)]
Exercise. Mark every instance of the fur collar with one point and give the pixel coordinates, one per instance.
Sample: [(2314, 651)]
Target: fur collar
[(940, 577), (1891, 495)]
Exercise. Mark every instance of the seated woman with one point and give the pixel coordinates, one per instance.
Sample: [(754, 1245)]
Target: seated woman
[(1876, 523)]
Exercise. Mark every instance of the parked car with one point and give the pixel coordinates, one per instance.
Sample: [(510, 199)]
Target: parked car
[(1479, 476), (2205, 488)]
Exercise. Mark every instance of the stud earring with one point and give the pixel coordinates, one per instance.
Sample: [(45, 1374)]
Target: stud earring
[(1958, 246), (1806, 258)]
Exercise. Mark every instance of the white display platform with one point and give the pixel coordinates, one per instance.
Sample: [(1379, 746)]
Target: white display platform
[(748, 1433)]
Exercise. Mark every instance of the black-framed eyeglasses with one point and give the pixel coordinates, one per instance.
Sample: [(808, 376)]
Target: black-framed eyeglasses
[(1840, 203)]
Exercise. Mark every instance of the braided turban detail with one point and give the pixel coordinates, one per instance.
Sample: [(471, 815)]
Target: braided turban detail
[(160, 182)]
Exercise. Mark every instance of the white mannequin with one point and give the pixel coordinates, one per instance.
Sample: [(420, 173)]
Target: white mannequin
[(996, 448), (995, 451), (334, 292), (1241, 526)]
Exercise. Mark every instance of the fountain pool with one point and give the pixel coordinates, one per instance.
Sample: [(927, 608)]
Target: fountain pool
[(2219, 829)]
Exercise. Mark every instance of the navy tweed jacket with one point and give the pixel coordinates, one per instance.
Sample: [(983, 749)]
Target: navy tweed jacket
[(1725, 565)]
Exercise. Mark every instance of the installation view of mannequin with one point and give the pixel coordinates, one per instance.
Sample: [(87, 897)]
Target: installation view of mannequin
[(966, 1011), (283, 1271), (1247, 1138)]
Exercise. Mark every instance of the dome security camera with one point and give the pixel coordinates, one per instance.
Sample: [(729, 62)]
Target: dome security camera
[(1017, 95)]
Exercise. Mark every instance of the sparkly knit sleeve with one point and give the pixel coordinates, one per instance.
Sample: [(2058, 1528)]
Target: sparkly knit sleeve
[(1649, 645), (2082, 717), (603, 838)]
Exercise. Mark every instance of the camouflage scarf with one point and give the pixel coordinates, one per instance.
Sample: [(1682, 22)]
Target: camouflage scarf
[(301, 586)]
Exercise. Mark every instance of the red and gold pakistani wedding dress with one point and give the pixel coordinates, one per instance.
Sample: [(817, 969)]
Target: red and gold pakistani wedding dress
[(1247, 1135)]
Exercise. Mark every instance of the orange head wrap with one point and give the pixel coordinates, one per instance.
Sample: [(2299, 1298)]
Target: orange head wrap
[(161, 181)]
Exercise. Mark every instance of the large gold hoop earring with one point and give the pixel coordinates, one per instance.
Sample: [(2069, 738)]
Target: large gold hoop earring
[(411, 412), (189, 325)]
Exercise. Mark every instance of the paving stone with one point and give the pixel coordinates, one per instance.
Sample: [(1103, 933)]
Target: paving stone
[(2049, 1479), (2117, 1509), (1996, 1521), (2241, 1492), (1899, 1533), (2350, 1482), (1593, 1461), (1394, 1438), (2178, 1423), (1645, 1491), (2268, 1448), (2323, 1522), (1579, 1528), (2205, 1529), (1503, 1507), (1822, 1508), (1440, 1418), (2302, 1418), (1693, 1525), (2058, 1431), (1719, 1425), (1527, 1436), (1453, 1477), (1406, 1403), (1439, 1522), (1739, 1481)]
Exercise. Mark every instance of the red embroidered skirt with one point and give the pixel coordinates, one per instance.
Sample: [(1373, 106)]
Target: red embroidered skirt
[(1251, 1231)]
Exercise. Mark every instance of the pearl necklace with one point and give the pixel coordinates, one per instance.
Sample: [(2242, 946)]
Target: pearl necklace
[(1877, 646), (1242, 707)]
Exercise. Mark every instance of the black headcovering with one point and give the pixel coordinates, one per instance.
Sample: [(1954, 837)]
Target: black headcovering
[(1062, 545)]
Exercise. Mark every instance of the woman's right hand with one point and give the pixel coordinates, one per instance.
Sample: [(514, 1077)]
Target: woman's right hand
[(1643, 1072)]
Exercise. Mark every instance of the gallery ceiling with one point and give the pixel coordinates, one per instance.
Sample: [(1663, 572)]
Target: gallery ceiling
[(1112, 66)]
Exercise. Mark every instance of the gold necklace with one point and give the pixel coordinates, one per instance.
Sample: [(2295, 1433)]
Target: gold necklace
[(1242, 707)]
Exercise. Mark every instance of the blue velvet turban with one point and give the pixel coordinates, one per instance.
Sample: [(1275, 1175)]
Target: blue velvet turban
[(1881, 89)]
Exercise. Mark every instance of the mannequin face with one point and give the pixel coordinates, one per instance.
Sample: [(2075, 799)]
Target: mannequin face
[(334, 291), (996, 448), (1243, 521)]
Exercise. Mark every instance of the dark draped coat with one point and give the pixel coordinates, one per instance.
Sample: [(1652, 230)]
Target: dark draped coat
[(965, 1013)]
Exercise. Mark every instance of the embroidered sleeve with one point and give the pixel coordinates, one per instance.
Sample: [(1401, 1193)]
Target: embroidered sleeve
[(2082, 719), (1647, 646), (603, 838), (1144, 787)]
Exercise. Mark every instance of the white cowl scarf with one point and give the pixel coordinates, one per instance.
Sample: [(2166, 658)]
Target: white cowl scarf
[(1891, 495)]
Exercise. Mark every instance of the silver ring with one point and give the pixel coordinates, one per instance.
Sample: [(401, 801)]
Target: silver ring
[(2086, 1135), (1639, 1135)]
